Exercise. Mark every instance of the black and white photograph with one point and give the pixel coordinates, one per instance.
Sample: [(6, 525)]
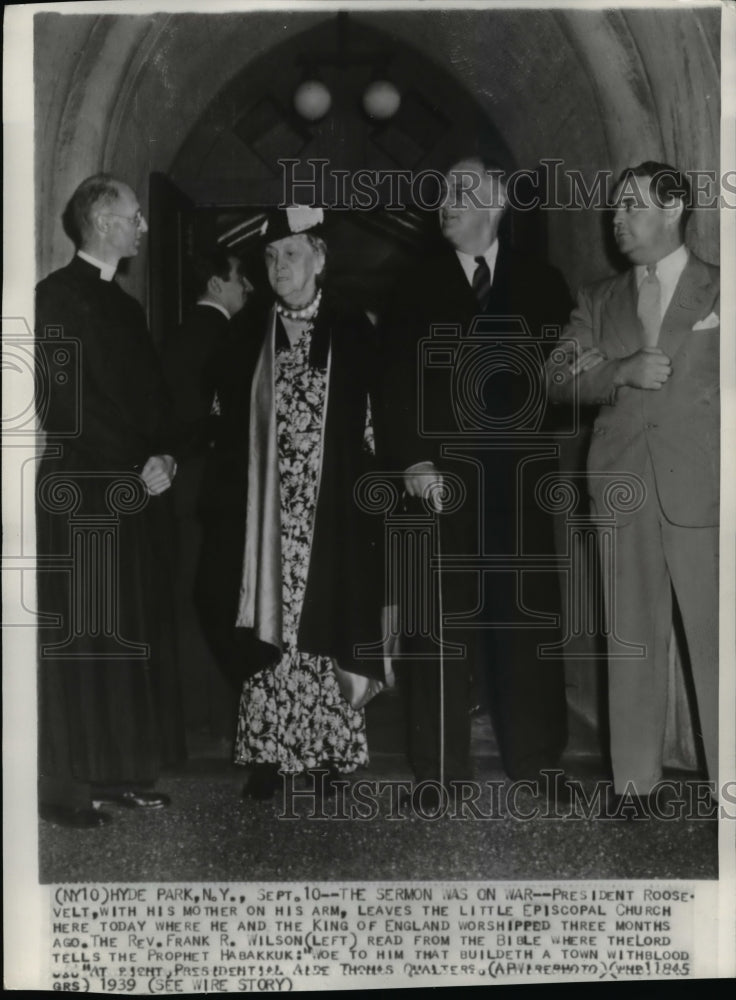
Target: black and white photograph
[(367, 603)]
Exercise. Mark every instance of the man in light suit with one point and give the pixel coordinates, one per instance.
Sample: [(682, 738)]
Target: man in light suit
[(644, 346)]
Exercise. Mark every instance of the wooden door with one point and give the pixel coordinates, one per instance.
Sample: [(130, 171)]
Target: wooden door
[(171, 222)]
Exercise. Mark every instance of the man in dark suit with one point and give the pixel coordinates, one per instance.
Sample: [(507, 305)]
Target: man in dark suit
[(644, 347), (109, 714), (465, 411), (221, 291)]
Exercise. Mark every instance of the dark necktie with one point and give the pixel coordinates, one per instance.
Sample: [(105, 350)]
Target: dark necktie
[(649, 308), (482, 281)]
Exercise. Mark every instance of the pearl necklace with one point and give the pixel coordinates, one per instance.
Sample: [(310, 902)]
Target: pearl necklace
[(306, 312)]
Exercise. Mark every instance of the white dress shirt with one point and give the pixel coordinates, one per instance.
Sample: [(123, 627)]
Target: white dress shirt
[(668, 272), (215, 305), (468, 261)]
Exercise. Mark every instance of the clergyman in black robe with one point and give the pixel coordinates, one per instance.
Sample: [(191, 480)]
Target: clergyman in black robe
[(108, 697)]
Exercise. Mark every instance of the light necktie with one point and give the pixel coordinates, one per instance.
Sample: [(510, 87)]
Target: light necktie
[(649, 307), (482, 281)]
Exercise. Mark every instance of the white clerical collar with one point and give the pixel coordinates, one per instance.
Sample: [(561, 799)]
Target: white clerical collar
[(215, 305), (107, 271), (468, 261)]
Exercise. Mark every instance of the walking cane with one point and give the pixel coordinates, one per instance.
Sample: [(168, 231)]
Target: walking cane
[(442, 656), (441, 642), (441, 635)]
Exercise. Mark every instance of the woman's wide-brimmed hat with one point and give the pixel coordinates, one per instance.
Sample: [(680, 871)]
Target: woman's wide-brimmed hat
[(283, 222)]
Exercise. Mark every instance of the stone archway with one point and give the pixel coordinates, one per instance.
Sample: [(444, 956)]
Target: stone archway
[(596, 88)]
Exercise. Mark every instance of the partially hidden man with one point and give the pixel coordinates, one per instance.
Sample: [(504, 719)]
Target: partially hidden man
[(109, 703), (644, 347), (221, 290)]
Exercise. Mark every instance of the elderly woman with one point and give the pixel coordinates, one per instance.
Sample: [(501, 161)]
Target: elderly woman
[(306, 591)]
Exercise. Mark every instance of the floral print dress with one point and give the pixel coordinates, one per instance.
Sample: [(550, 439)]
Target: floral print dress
[(293, 714)]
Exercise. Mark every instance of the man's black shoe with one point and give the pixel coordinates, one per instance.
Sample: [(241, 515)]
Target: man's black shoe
[(551, 786), (428, 799), (85, 818), (132, 798), (557, 790)]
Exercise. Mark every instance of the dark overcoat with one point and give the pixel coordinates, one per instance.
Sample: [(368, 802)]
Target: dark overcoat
[(471, 399), (187, 362)]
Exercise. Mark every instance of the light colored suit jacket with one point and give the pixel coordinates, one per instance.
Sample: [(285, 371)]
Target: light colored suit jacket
[(677, 426)]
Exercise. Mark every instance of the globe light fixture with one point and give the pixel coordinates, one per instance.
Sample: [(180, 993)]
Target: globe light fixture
[(381, 99), (312, 100)]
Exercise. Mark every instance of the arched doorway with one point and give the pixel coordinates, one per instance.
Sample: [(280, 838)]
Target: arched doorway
[(231, 165), (379, 177)]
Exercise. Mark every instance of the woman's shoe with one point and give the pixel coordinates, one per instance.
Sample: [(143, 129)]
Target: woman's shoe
[(324, 784), (263, 783)]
